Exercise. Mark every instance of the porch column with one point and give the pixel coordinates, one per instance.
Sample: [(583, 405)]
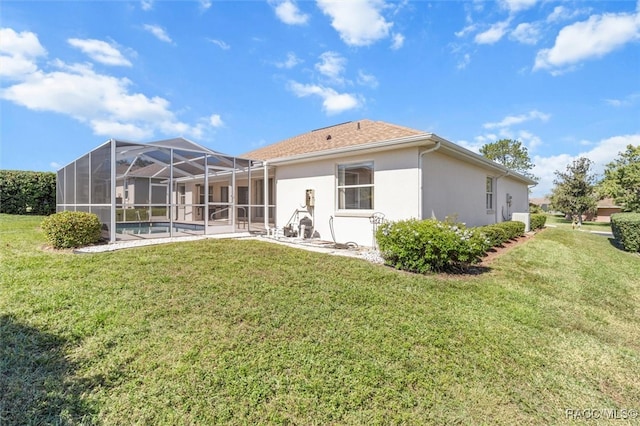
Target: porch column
[(265, 188)]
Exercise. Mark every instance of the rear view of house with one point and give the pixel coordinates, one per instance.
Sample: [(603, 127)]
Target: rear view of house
[(334, 182)]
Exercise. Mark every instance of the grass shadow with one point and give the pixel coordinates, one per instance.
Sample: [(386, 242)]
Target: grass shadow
[(37, 383)]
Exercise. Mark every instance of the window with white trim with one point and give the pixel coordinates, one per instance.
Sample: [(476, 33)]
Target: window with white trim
[(489, 195), (355, 186)]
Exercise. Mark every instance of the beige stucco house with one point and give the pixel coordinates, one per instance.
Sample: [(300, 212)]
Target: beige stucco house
[(341, 175)]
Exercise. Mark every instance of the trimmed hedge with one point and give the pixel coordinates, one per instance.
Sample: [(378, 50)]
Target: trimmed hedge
[(72, 229), (23, 192), (537, 221), (429, 245), (500, 233), (626, 229)]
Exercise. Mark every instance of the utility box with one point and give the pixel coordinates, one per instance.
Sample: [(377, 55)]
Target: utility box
[(310, 198), (522, 217)]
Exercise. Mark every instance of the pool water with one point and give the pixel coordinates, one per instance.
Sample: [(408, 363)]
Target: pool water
[(144, 228)]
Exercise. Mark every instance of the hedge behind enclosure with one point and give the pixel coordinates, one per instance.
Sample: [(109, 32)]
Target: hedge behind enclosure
[(626, 229), (24, 192)]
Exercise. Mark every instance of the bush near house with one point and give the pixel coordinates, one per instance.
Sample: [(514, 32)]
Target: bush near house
[(494, 233), (24, 192), (429, 245), (537, 221), (626, 229), (71, 229)]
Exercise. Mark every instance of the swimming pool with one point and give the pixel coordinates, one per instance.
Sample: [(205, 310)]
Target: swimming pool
[(145, 228)]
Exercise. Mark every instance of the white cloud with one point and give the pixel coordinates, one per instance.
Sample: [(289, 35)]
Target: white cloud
[(517, 5), (398, 41), (526, 33), (100, 51), (358, 22), (158, 32), (221, 44), (493, 34), (291, 61), (369, 80), (332, 101), (603, 152), (55, 165), (332, 65), (204, 4), (624, 102), (103, 102), (466, 30), (146, 4), (510, 120), (593, 38), (215, 120), (464, 62), (18, 53), (289, 13)]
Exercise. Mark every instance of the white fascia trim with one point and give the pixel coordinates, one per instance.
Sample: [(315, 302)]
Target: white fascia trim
[(409, 141)]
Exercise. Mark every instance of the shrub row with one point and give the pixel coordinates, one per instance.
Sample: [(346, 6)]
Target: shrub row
[(499, 233), (429, 245), (537, 221), (71, 229), (626, 229), (24, 192)]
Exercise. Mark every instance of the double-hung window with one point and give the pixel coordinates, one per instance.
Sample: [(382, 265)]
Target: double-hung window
[(355, 186), (489, 196)]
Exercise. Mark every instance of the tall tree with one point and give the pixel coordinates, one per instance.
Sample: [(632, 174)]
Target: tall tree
[(574, 193), (622, 179), (511, 154)]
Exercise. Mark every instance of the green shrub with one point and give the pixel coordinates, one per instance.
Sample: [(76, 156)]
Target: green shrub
[(537, 221), (512, 228), (27, 192), (429, 245), (71, 229), (626, 229), (494, 233)]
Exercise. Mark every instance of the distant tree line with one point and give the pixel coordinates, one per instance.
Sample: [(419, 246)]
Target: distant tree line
[(24, 192)]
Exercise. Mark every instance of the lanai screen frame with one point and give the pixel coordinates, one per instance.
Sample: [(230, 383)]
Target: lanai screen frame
[(90, 182)]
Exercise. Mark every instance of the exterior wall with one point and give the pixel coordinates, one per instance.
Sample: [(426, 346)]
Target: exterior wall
[(456, 189), (396, 194)]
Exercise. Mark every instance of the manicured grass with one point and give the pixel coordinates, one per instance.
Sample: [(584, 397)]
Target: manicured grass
[(246, 332), (560, 221)]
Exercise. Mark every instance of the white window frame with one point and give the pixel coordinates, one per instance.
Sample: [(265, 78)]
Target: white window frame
[(341, 201), (490, 198)]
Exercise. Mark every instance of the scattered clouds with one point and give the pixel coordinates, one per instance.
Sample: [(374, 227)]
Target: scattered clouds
[(146, 4), (398, 41), (100, 51), (332, 101), (55, 166), (158, 32), (105, 103), (204, 4), (593, 38), (359, 22), (628, 100), (215, 120), (602, 153), (526, 33), (291, 61), (289, 13), (332, 65), (464, 61), (368, 80), (19, 53), (221, 44), (493, 34), (514, 6), (511, 120)]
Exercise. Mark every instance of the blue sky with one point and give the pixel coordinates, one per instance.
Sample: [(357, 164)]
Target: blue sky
[(563, 77)]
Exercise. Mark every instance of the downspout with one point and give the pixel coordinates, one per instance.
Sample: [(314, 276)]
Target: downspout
[(420, 156)]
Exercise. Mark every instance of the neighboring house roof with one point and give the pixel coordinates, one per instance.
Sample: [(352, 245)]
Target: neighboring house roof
[(607, 203), (366, 135), (539, 201), (329, 138)]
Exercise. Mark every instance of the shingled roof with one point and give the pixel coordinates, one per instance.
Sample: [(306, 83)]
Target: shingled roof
[(328, 138)]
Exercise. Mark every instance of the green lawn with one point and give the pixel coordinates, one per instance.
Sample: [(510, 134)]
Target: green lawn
[(561, 222), (246, 332)]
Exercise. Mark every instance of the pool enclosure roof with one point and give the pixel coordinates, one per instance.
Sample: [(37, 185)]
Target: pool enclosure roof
[(97, 181)]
